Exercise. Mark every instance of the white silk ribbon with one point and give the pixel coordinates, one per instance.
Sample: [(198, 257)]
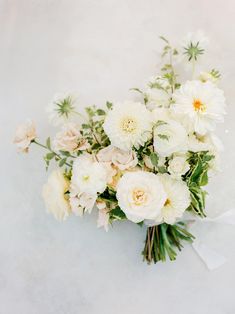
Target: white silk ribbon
[(210, 257)]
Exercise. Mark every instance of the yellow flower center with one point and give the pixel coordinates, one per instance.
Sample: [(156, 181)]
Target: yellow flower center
[(167, 202), (199, 106), (128, 125), (86, 178), (139, 197)]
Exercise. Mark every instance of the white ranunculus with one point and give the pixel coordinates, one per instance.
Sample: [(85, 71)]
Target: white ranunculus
[(140, 195), (69, 139), (89, 176), (169, 137), (54, 195), (199, 105), (178, 166), (177, 199), (128, 124), (25, 134)]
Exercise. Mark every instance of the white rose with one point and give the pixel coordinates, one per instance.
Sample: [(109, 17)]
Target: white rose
[(178, 166), (140, 195), (54, 195), (25, 134), (177, 200), (70, 140), (89, 176), (210, 141), (169, 138)]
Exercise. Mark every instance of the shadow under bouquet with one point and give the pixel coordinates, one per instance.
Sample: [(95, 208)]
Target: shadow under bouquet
[(146, 161)]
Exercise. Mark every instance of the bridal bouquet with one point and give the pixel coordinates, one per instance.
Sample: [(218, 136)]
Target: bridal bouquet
[(145, 161)]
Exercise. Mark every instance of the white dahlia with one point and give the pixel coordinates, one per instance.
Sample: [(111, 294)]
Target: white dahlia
[(200, 105), (140, 195), (177, 199), (89, 176), (128, 124), (169, 137)]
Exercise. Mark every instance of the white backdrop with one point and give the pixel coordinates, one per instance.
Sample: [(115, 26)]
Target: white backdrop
[(100, 49)]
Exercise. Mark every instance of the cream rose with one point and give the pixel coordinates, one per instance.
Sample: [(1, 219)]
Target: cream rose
[(25, 134), (54, 195), (140, 195), (70, 140)]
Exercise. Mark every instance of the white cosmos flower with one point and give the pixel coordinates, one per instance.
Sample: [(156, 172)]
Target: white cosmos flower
[(169, 137), (178, 166), (89, 176), (61, 109), (178, 199), (54, 195), (128, 124), (200, 105), (140, 195)]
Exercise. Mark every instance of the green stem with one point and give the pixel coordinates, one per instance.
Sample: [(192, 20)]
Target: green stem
[(50, 150)]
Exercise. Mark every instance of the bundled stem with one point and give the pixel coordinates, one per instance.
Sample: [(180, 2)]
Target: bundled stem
[(163, 240)]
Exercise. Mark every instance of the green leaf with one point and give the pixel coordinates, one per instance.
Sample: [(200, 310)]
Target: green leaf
[(49, 156), (101, 112), (48, 143), (86, 126), (62, 162), (109, 105), (154, 159), (67, 154), (117, 213), (163, 137)]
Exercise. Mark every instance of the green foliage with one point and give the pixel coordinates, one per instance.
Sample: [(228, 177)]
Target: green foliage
[(154, 159), (197, 177), (116, 214), (163, 240)]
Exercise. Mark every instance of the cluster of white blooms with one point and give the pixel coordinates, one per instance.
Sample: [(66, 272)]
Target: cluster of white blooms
[(144, 161)]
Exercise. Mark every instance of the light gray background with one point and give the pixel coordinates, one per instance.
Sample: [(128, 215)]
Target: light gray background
[(100, 49)]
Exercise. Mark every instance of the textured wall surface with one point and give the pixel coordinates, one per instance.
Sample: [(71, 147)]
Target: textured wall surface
[(100, 49)]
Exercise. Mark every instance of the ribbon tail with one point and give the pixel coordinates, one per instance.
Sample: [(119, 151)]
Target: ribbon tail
[(209, 256)]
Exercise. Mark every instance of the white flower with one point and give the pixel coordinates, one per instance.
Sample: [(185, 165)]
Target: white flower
[(178, 166), (178, 199), (195, 38), (25, 134), (128, 124), (208, 142), (89, 176), (140, 195), (200, 105), (61, 109), (169, 137), (81, 201), (119, 158), (156, 98), (69, 139), (103, 216), (54, 194)]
